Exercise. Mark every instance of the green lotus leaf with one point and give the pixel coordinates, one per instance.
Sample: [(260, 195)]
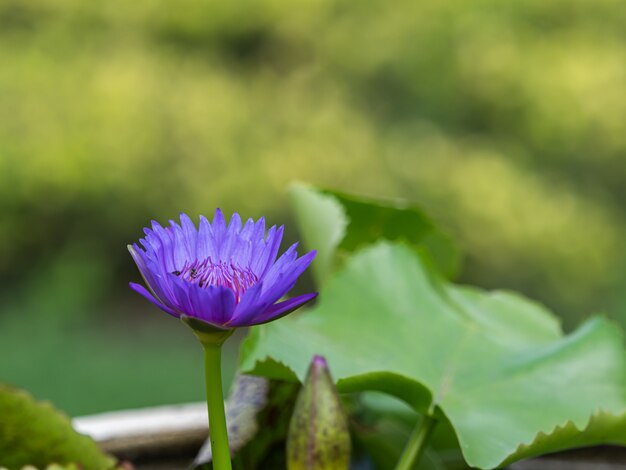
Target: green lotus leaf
[(497, 365)]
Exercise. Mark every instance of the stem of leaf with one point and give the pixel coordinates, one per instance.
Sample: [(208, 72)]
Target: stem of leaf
[(215, 403), (417, 443)]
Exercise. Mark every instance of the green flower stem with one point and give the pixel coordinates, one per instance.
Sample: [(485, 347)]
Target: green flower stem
[(212, 340), (417, 443), (215, 403)]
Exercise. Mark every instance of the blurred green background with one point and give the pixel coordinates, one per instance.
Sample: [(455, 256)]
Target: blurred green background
[(505, 120)]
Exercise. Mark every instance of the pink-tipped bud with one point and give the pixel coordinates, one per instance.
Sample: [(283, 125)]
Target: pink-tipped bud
[(318, 433)]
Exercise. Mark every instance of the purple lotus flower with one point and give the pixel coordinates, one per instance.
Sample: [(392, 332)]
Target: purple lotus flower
[(226, 276)]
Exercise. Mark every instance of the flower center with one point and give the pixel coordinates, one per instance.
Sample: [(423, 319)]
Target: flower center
[(207, 273)]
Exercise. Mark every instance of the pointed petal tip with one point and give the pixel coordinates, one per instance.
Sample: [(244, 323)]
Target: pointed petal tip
[(141, 290), (219, 221), (235, 222), (281, 309), (306, 298), (185, 220)]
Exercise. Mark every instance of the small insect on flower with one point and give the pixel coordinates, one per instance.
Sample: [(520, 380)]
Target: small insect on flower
[(226, 276)]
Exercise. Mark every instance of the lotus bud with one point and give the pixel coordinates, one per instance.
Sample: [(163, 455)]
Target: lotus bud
[(318, 436)]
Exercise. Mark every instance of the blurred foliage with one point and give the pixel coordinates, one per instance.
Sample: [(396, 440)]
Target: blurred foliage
[(506, 121), (36, 435)]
